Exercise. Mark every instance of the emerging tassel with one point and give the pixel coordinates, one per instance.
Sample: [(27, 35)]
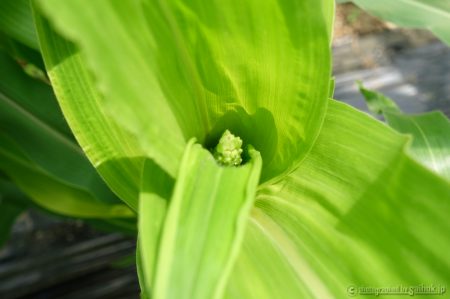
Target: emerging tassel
[(229, 150)]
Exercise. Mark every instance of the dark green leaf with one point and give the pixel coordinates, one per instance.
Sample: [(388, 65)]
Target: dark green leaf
[(16, 20), (52, 193)]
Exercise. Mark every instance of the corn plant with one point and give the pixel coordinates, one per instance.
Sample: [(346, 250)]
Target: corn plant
[(214, 128)]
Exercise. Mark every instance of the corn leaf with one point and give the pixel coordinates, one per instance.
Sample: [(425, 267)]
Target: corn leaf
[(188, 66), (50, 192), (357, 199), (433, 15), (204, 226), (113, 151), (30, 115), (430, 131), (16, 21), (35, 138), (357, 212), (431, 138), (156, 190)]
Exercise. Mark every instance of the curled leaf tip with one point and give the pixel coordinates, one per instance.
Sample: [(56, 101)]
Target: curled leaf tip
[(229, 150)]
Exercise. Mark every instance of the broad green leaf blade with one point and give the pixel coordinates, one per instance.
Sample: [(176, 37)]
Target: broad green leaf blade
[(430, 131), (13, 202), (114, 152), (40, 154), (175, 68), (156, 190), (429, 14), (29, 114), (431, 138), (357, 212), (31, 96), (16, 21), (204, 226), (51, 193)]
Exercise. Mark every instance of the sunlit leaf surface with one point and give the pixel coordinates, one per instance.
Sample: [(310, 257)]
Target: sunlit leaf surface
[(430, 131), (204, 226), (355, 210), (156, 190), (193, 69), (111, 150)]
